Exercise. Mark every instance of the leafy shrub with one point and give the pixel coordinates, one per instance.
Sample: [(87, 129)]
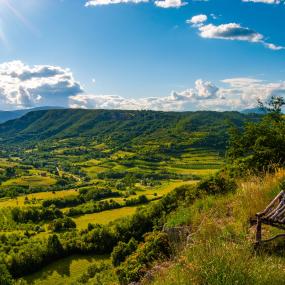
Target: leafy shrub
[(35, 214), (92, 271), (5, 277), (122, 250), (155, 248), (217, 184), (62, 224)]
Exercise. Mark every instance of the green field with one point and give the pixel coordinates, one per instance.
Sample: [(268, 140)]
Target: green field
[(110, 215), (103, 217), (37, 197), (65, 271), (34, 180)]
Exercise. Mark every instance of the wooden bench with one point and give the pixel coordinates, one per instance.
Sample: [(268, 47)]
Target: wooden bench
[(273, 215)]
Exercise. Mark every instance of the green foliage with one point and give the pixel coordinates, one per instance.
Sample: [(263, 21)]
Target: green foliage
[(122, 126), (260, 146), (155, 248), (142, 199), (93, 271), (217, 184), (54, 246), (86, 194), (62, 224), (93, 207), (5, 277), (122, 250), (35, 214)]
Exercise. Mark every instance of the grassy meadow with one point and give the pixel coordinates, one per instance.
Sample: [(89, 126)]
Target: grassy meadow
[(35, 198), (64, 271), (104, 217), (221, 247)]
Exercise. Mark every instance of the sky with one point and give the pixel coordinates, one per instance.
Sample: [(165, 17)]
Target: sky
[(170, 55)]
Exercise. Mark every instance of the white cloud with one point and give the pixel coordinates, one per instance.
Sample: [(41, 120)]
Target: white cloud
[(25, 86), (170, 3), (110, 2), (235, 94), (203, 90), (197, 20), (175, 101), (265, 1), (233, 32), (249, 90), (158, 3)]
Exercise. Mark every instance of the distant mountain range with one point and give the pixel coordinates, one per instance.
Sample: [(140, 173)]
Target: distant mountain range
[(253, 111), (121, 127), (15, 114)]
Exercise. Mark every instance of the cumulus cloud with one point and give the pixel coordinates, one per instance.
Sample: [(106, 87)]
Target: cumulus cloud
[(248, 90), (203, 90), (25, 86), (233, 94), (158, 3), (265, 1), (197, 20), (170, 3), (230, 31), (110, 2), (175, 101)]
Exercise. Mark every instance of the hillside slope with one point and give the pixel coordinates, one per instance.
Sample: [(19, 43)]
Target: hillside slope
[(15, 114), (119, 127)]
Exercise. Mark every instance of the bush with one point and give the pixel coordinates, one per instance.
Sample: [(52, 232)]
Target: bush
[(122, 250), (35, 214), (5, 277), (92, 271), (217, 184), (155, 248), (61, 224)]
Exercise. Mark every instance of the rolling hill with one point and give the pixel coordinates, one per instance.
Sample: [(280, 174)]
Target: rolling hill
[(118, 127), (11, 115)]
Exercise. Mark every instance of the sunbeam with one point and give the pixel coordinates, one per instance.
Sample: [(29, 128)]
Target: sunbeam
[(3, 38), (19, 16)]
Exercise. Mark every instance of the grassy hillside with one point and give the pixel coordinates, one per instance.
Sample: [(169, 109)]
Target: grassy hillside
[(123, 127), (221, 250), (12, 115)]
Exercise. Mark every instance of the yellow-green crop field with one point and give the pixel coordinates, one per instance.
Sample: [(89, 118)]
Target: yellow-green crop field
[(34, 181), (104, 217), (20, 201), (4, 163), (65, 271), (110, 215)]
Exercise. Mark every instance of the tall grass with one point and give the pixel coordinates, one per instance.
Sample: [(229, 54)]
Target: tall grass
[(221, 250)]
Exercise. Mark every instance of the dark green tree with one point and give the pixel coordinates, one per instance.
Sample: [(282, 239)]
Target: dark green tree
[(5, 277), (54, 246), (260, 146)]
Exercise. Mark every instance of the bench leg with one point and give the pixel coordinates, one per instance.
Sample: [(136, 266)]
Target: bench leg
[(258, 236)]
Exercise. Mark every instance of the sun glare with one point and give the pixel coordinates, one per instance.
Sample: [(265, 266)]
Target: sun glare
[(11, 7)]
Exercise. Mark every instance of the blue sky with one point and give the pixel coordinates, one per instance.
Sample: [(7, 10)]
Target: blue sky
[(146, 55)]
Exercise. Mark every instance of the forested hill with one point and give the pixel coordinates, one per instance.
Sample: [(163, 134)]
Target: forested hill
[(123, 127), (15, 114)]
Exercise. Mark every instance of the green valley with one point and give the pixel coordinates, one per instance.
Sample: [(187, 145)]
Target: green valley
[(77, 185)]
